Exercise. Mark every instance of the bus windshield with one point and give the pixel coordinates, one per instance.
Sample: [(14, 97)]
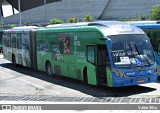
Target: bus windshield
[(131, 50)]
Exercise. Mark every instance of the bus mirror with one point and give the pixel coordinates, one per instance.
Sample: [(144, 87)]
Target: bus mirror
[(102, 38)]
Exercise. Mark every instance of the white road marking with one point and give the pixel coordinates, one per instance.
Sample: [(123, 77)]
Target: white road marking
[(30, 83)]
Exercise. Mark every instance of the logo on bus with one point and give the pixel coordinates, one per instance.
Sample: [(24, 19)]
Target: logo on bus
[(138, 62)]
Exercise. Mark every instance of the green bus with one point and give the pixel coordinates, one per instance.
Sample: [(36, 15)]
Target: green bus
[(109, 53)]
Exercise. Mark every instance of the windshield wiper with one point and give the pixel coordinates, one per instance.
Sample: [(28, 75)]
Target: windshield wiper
[(142, 55)]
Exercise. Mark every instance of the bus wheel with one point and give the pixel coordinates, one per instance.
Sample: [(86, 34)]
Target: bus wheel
[(48, 68), (85, 77), (13, 60)]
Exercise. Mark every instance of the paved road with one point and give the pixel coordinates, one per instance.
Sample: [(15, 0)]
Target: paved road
[(19, 84), (21, 81)]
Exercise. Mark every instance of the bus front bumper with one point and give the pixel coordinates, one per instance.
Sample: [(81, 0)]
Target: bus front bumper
[(120, 81)]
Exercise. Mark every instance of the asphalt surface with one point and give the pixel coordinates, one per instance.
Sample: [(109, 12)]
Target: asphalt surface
[(21, 83)]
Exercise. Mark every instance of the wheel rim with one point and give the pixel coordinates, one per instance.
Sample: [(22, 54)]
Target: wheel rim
[(49, 72)]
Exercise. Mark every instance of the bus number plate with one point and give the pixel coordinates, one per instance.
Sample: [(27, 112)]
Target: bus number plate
[(140, 81)]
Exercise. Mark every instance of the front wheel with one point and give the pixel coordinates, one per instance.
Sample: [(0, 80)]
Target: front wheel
[(13, 60), (85, 76), (49, 69)]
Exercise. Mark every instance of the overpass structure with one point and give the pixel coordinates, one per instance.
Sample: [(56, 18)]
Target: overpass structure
[(35, 11)]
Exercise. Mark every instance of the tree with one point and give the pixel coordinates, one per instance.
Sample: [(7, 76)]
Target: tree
[(27, 23), (88, 18), (12, 25), (155, 13), (136, 18), (73, 20), (56, 21)]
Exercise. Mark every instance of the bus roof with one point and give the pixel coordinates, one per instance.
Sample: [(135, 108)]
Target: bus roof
[(25, 28), (107, 27), (143, 22), (67, 25), (96, 23), (147, 25)]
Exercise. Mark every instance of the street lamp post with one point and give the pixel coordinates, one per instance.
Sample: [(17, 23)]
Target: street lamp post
[(45, 11), (20, 18)]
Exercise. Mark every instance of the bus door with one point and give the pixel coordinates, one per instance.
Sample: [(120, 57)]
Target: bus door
[(101, 64), (89, 76), (96, 56)]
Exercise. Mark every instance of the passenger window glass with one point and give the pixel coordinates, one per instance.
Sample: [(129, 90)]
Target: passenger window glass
[(19, 41), (91, 54)]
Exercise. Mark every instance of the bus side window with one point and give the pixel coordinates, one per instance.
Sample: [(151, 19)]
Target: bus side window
[(19, 40), (8, 40), (91, 54)]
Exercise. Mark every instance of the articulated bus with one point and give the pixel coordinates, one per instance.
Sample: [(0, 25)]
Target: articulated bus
[(109, 53), (1, 35), (153, 32)]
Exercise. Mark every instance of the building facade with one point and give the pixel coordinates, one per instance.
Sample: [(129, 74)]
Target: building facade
[(99, 9)]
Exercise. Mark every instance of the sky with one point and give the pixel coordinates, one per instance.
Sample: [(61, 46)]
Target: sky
[(7, 10)]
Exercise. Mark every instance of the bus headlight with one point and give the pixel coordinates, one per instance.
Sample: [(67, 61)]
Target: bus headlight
[(120, 75)]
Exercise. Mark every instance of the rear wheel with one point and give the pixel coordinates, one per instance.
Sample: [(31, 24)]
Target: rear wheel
[(13, 60), (85, 77), (49, 69)]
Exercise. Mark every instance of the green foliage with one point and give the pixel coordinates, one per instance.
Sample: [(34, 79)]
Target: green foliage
[(12, 25), (88, 18), (73, 20), (27, 23), (56, 21), (155, 13), (136, 18)]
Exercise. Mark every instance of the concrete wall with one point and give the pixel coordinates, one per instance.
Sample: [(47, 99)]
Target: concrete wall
[(63, 10), (128, 8), (99, 9)]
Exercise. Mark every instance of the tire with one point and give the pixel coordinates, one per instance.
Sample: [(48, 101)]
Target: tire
[(13, 60), (48, 69), (85, 77)]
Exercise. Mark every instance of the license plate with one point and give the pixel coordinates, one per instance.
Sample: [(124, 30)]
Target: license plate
[(140, 81)]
